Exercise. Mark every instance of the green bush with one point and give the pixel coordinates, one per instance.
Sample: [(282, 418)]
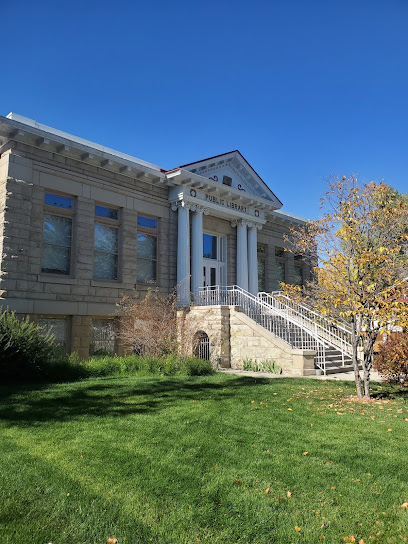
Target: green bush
[(197, 367), (134, 364), (27, 353), (25, 350)]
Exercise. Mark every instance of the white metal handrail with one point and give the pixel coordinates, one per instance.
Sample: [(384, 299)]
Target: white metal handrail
[(270, 314), (340, 323), (338, 335)]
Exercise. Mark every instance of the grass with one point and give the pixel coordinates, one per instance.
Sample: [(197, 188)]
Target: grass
[(216, 459)]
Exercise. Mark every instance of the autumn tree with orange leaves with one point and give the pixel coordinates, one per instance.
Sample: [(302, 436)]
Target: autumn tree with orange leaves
[(361, 270)]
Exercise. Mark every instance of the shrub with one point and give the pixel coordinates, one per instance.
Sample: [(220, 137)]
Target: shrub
[(63, 368), (197, 367), (266, 365), (391, 360), (125, 366), (24, 348), (149, 325)]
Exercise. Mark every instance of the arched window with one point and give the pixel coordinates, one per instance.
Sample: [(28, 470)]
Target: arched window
[(202, 345)]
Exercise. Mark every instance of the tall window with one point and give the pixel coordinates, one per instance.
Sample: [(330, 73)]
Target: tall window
[(106, 243), (261, 250), (298, 270), (57, 234), (280, 267), (147, 228)]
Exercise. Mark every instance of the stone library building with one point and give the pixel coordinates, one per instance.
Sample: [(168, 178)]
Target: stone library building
[(82, 225)]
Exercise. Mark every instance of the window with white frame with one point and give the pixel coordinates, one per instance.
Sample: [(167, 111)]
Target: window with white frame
[(57, 234), (147, 231), (106, 243)]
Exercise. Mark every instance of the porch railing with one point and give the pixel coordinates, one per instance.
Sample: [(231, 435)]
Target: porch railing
[(270, 314), (338, 334)]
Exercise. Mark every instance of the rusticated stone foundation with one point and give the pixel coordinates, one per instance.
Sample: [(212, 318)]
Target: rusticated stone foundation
[(234, 338)]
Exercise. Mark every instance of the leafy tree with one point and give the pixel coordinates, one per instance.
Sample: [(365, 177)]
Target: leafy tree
[(361, 273)]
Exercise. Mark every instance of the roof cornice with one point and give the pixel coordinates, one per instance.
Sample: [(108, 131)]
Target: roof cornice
[(55, 141)]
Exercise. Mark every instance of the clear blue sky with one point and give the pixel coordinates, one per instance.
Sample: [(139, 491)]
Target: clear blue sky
[(304, 89)]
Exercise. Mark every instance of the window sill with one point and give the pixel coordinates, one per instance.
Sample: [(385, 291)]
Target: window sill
[(106, 283), (45, 278)]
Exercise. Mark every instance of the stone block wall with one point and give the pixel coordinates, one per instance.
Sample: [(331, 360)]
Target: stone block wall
[(26, 173), (234, 338)]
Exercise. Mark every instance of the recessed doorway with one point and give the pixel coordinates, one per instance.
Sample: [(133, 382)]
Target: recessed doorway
[(214, 257)]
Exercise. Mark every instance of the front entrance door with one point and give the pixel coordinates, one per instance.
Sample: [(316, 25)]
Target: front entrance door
[(214, 252), (213, 273)]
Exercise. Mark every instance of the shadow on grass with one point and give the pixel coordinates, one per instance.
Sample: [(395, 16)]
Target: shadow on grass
[(36, 404), (388, 391)]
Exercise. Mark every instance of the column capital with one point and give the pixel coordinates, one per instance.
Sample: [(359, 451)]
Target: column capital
[(247, 222), (199, 209), (252, 225), (180, 204)]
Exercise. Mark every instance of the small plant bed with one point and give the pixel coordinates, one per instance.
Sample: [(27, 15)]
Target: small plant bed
[(267, 365), (216, 459)]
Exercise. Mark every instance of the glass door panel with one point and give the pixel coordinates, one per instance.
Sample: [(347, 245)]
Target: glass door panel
[(214, 271)]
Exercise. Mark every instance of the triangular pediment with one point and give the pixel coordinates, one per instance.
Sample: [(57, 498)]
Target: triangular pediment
[(233, 170)]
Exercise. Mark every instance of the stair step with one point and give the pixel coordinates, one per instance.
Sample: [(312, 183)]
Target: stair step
[(334, 358), (339, 363), (339, 369)]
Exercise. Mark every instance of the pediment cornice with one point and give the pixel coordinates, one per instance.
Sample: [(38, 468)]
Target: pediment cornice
[(242, 176)]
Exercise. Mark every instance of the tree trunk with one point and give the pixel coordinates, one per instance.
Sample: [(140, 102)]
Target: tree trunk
[(367, 370), (357, 377), (368, 362)]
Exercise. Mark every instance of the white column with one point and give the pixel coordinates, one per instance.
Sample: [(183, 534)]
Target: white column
[(197, 250), (242, 255), (183, 255), (252, 260)]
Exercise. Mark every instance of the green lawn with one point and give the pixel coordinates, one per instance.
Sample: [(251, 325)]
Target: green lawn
[(217, 459)]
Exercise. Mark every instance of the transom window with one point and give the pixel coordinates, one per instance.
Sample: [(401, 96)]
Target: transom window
[(104, 211), (59, 201), (57, 234), (210, 246), (148, 222), (106, 243)]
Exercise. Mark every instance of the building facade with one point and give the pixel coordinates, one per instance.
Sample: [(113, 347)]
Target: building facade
[(82, 225)]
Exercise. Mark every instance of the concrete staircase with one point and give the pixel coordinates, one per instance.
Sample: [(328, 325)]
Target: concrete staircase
[(335, 363)]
